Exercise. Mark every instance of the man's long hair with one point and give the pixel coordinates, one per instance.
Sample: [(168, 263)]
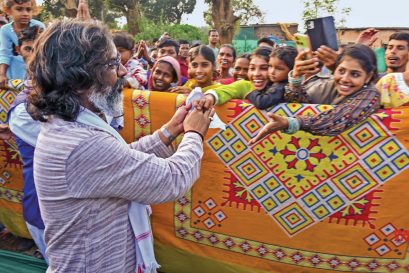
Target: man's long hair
[(69, 59)]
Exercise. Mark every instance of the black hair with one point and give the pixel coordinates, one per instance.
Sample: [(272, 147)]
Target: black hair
[(232, 49), (205, 51), (401, 36), (287, 54), (169, 42), (211, 30), (244, 56), (124, 40), (267, 41), (183, 42), (196, 44), (263, 52), (364, 55), (29, 34), (69, 57)]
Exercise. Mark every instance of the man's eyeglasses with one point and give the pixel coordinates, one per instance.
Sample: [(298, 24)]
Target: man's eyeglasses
[(114, 64)]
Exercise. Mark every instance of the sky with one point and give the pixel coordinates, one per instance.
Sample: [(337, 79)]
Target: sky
[(364, 13)]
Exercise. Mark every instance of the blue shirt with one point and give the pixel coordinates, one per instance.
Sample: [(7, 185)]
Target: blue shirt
[(16, 66)]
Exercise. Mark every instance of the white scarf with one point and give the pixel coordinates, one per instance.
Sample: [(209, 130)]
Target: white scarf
[(138, 213)]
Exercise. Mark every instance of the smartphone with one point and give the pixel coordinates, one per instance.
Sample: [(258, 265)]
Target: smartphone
[(303, 43), (322, 31)]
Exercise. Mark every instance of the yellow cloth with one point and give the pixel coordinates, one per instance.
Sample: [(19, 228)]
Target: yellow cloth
[(191, 83), (394, 90)]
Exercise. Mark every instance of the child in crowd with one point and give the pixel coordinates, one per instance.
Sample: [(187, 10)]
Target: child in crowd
[(26, 40), (241, 67), (165, 74), (136, 76), (268, 70), (22, 11), (356, 97), (202, 65)]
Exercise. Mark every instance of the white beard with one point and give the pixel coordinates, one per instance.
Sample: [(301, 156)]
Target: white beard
[(108, 100)]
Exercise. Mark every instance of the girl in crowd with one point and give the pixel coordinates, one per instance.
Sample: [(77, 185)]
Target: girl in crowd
[(355, 99), (202, 65), (136, 76), (22, 11), (165, 74), (268, 71), (241, 67), (225, 61)]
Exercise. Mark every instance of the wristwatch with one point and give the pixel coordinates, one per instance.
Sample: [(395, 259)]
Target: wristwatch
[(167, 134)]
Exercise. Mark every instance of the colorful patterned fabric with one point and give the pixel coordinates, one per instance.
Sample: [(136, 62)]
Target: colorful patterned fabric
[(394, 90), (290, 203), (11, 173)]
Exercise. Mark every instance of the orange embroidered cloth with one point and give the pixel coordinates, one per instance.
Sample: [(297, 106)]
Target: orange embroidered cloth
[(11, 175), (290, 203)]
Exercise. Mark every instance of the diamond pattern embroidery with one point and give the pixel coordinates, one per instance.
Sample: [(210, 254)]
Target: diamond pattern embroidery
[(301, 179)]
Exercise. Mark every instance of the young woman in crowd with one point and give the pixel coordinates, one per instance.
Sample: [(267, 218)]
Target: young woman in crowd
[(165, 74), (13, 66), (268, 71), (136, 76), (355, 99), (241, 67), (225, 62), (202, 66)]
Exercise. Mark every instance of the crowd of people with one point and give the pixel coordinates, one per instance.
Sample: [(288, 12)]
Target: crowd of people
[(86, 192)]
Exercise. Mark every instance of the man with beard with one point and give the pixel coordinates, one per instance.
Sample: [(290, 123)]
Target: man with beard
[(91, 185)]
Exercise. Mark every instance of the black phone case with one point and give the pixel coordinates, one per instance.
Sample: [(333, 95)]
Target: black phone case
[(322, 32)]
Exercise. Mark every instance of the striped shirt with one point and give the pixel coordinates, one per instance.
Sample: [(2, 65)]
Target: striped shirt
[(85, 179)]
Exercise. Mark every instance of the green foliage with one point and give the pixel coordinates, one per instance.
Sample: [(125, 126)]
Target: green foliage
[(152, 30), (246, 10), (166, 11), (319, 8)]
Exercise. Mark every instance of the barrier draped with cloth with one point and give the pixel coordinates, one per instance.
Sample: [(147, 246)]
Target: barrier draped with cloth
[(290, 203)]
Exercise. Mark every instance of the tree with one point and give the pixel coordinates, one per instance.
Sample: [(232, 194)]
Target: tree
[(57, 8), (226, 16), (319, 8), (167, 11), (131, 9)]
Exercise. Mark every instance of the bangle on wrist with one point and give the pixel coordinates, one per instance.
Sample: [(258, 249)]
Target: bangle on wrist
[(293, 126), (194, 131), (295, 81)]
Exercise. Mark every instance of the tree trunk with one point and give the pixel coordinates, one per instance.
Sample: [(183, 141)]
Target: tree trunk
[(133, 16), (224, 19)]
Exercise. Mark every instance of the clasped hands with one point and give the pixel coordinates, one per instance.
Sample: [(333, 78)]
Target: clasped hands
[(197, 120)]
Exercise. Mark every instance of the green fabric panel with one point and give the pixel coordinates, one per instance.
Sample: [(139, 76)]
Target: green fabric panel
[(20, 263), (245, 33), (380, 59), (244, 46)]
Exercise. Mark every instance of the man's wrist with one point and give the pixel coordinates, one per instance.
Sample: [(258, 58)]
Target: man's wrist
[(170, 137)]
